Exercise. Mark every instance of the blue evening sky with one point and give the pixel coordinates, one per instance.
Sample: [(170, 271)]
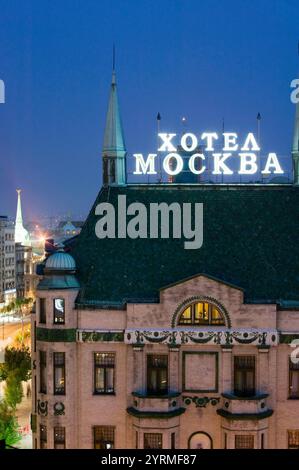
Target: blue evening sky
[(203, 59)]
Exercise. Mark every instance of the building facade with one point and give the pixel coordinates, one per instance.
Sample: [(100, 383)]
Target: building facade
[(26, 277), (139, 343), (7, 261)]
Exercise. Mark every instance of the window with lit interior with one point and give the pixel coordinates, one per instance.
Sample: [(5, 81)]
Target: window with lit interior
[(201, 313), (59, 311)]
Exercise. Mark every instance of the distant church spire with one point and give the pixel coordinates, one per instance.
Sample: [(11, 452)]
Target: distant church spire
[(295, 149), (21, 234), (114, 149)]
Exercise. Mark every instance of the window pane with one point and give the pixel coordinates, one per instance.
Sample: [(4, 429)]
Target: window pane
[(244, 375), (59, 373), (43, 436), (216, 318), (294, 383), (109, 380), (99, 380), (103, 437), (59, 311), (244, 442), (59, 438), (152, 441), (157, 374), (185, 318), (42, 310), (293, 439), (43, 371)]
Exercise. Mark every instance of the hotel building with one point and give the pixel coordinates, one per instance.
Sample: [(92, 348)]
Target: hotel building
[(139, 343)]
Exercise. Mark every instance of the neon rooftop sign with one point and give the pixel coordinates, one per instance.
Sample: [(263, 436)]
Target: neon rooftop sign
[(199, 150)]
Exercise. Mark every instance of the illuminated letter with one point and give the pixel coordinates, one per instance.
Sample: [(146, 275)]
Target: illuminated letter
[(105, 227), (2, 92), (193, 145), (272, 162), (179, 164), (192, 163), (295, 93), (219, 165), (137, 226), (167, 145), (247, 160), (209, 136), (142, 166), (250, 140), (197, 233), (230, 141)]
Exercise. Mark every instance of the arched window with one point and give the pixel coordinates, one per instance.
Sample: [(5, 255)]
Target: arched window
[(201, 313)]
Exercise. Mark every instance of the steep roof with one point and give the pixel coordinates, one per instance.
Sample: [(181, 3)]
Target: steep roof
[(250, 240)]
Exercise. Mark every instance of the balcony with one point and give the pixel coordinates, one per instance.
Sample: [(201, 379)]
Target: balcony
[(244, 407), (156, 406)]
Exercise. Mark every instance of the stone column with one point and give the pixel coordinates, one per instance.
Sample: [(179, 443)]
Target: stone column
[(174, 367), (227, 375), (138, 368)]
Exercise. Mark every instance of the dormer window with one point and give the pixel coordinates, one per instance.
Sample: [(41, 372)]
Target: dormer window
[(201, 313)]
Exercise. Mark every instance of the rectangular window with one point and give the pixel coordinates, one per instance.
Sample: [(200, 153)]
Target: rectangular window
[(42, 311), (293, 439), (59, 438), (152, 441), (244, 376), (157, 374), (293, 380), (43, 437), (43, 372), (262, 441), (59, 373), (59, 311), (103, 437), (244, 442), (136, 439), (104, 364), (225, 440), (173, 440)]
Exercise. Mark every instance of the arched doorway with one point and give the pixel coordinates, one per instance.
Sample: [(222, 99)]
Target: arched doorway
[(200, 440)]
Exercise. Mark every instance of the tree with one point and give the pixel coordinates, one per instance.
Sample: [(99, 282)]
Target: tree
[(16, 361), (13, 391), (8, 425)]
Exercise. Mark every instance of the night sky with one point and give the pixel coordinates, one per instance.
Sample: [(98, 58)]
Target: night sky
[(203, 59)]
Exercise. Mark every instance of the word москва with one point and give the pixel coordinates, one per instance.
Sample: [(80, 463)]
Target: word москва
[(246, 153)]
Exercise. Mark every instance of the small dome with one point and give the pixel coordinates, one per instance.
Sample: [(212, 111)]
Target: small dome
[(60, 261)]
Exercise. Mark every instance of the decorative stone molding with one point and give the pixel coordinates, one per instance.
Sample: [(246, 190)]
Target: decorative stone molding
[(200, 298), (42, 408), (226, 338), (59, 408), (56, 335), (200, 402), (92, 336)]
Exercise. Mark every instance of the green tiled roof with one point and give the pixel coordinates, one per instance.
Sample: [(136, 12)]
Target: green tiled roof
[(251, 240)]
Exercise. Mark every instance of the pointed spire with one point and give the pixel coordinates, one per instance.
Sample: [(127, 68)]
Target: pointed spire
[(21, 234), (114, 149)]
